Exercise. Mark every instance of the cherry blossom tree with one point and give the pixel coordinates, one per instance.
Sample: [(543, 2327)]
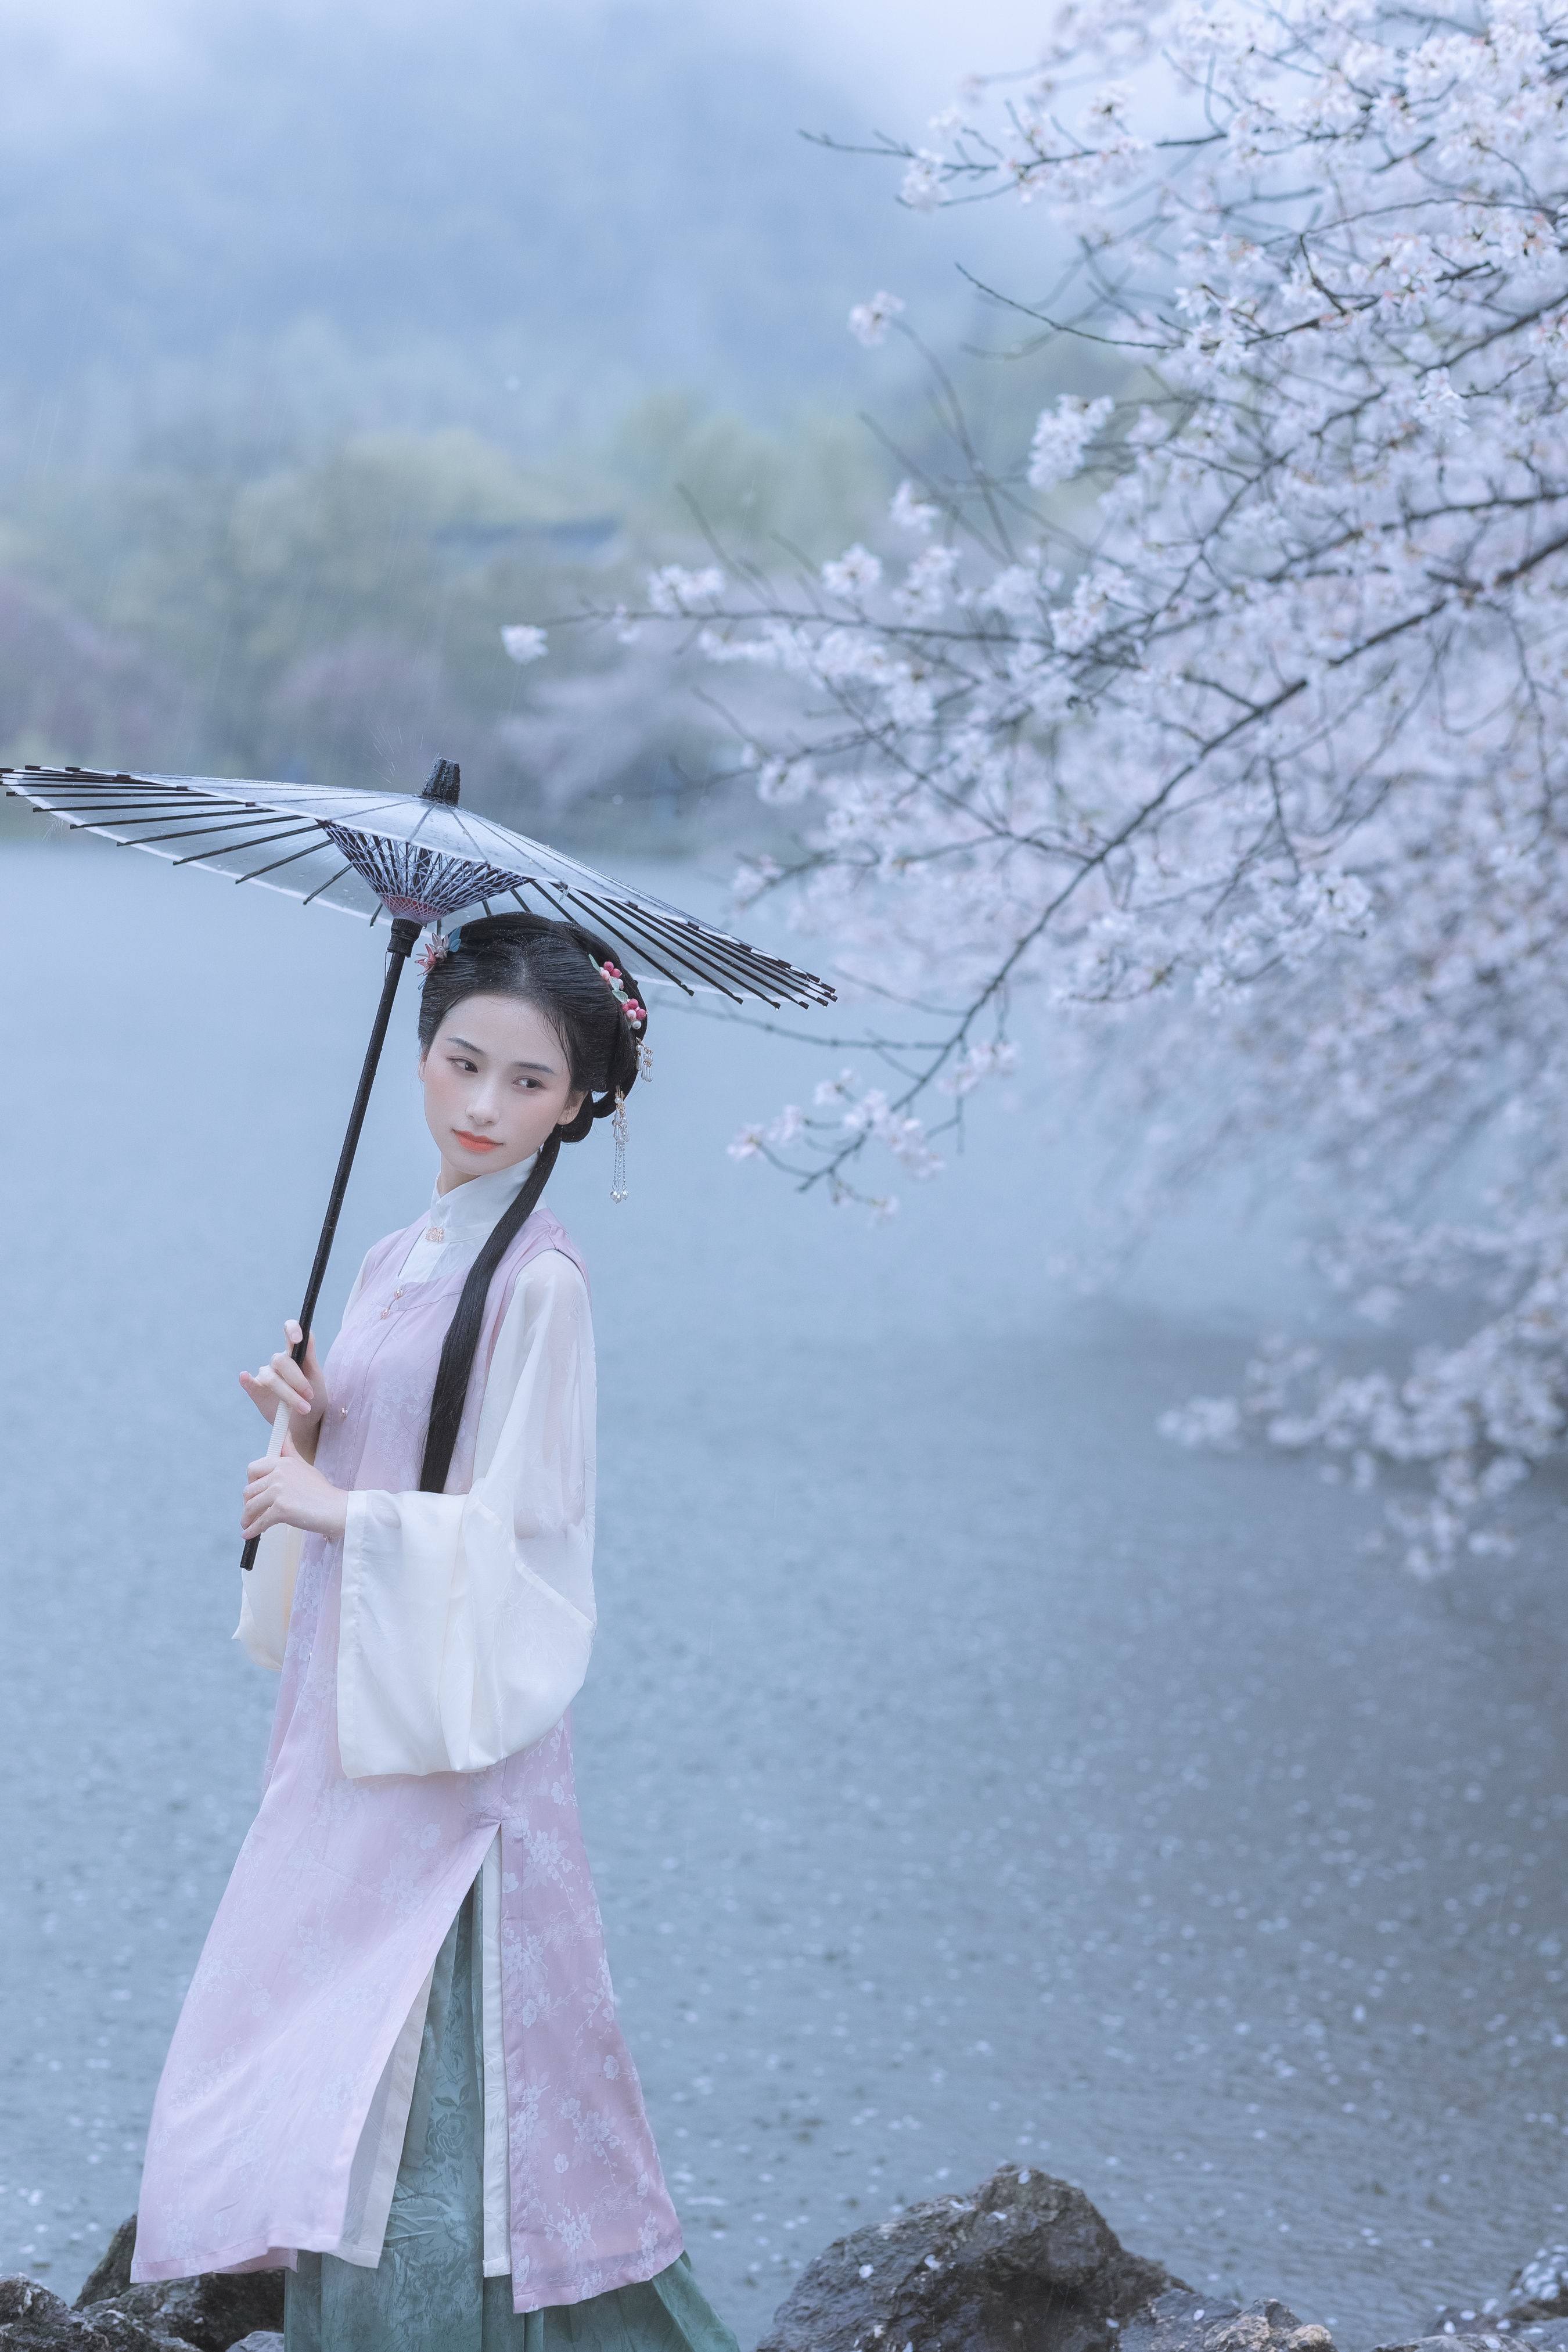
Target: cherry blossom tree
[(1230, 712)]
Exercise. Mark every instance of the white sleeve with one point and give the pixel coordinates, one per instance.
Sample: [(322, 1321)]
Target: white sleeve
[(267, 1591), (466, 1620), (267, 1597)]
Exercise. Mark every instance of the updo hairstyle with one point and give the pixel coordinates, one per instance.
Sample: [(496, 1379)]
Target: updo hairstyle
[(556, 967)]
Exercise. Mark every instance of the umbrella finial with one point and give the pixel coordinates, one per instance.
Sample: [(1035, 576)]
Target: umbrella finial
[(443, 782)]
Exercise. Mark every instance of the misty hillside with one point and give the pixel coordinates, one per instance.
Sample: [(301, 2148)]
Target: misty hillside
[(339, 339), (516, 218)]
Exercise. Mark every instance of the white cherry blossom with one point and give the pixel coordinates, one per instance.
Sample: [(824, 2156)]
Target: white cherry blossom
[(869, 321), (1230, 715)]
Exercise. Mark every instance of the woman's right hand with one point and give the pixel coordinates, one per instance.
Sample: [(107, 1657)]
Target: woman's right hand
[(301, 1384)]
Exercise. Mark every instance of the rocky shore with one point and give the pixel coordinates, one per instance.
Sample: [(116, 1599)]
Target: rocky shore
[(1023, 2265), (216, 2312)]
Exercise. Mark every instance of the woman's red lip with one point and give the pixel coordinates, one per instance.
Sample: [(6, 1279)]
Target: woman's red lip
[(476, 1142)]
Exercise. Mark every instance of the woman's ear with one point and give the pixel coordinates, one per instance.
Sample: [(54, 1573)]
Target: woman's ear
[(573, 1104)]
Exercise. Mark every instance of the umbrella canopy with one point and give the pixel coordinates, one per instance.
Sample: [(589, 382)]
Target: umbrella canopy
[(416, 858)]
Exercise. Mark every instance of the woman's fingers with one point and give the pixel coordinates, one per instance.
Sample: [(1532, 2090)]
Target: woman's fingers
[(281, 1381), (259, 1389), (257, 1499)]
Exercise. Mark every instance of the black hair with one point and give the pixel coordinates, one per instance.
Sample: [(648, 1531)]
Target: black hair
[(556, 967)]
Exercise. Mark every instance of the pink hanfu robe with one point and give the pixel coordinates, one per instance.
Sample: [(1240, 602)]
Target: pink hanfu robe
[(342, 1893)]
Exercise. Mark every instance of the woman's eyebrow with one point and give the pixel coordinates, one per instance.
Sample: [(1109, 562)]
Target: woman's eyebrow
[(546, 1070)]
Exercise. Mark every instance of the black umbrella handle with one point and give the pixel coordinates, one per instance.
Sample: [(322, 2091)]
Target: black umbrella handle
[(400, 947)]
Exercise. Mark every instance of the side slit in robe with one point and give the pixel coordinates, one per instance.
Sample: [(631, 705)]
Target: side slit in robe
[(427, 2293), (427, 1662)]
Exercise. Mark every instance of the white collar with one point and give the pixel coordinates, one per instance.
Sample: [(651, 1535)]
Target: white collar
[(473, 1208)]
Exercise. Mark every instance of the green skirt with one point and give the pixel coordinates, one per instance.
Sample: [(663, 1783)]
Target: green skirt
[(428, 2292)]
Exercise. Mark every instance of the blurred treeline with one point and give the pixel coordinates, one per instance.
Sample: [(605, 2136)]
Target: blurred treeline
[(338, 618), (338, 338)]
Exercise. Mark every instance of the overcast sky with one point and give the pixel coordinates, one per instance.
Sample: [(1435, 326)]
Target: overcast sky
[(904, 52)]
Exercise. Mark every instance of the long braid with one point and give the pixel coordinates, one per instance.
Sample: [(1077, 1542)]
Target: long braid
[(520, 955), (462, 1340)]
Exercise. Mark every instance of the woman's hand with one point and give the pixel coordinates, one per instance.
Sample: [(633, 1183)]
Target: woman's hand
[(301, 1385), (284, 1490)]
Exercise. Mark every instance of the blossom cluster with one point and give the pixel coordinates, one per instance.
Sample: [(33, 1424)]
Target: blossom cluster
[(1232, 711)]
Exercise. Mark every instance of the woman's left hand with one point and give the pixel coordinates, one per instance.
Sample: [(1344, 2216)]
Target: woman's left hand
[(284, 1491)]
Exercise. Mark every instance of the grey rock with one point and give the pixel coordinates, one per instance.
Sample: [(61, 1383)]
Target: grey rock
[(1025, 2264), (1476, 2335), (262, 2339), (113, 2274), (1490, 2325), (1539, 2290), (214, 2312), (34, 2320), (1176, 2317), (1181, 2320)]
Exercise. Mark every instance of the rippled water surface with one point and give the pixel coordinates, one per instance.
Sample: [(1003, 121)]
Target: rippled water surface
[(968, 1773)]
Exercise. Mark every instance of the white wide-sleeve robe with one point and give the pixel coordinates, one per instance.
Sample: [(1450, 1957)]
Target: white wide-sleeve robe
[(465, 1628)]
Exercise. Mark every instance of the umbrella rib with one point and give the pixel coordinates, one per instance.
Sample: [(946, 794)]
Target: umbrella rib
[(188, 788), (741, 962), (139, 788), (547, 893), (94, 820), (225, 848), (184, 833), (562, 914), (292, 859), (714, 974), (370, 804), (739, 954), (732, 954), (372, 808), (328, 884), (646, 940), (459, 817), (636, 927), (700, 948), (128, 812)]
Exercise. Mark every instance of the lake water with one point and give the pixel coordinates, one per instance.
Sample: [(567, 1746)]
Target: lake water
[(968, 1773)]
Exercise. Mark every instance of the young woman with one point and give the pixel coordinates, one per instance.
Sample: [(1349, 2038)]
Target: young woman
[(398, 2071)]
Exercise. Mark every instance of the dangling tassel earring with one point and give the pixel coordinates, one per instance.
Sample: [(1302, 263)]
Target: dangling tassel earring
[(619, 1129), (645, 1061)]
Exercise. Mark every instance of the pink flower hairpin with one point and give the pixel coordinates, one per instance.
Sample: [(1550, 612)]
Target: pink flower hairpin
[(614, 980), (438, 947)]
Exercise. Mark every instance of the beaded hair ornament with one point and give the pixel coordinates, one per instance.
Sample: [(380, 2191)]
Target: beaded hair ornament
[(614, 980)]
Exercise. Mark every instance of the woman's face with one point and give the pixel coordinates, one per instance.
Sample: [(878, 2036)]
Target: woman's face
[(495, 1082)]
